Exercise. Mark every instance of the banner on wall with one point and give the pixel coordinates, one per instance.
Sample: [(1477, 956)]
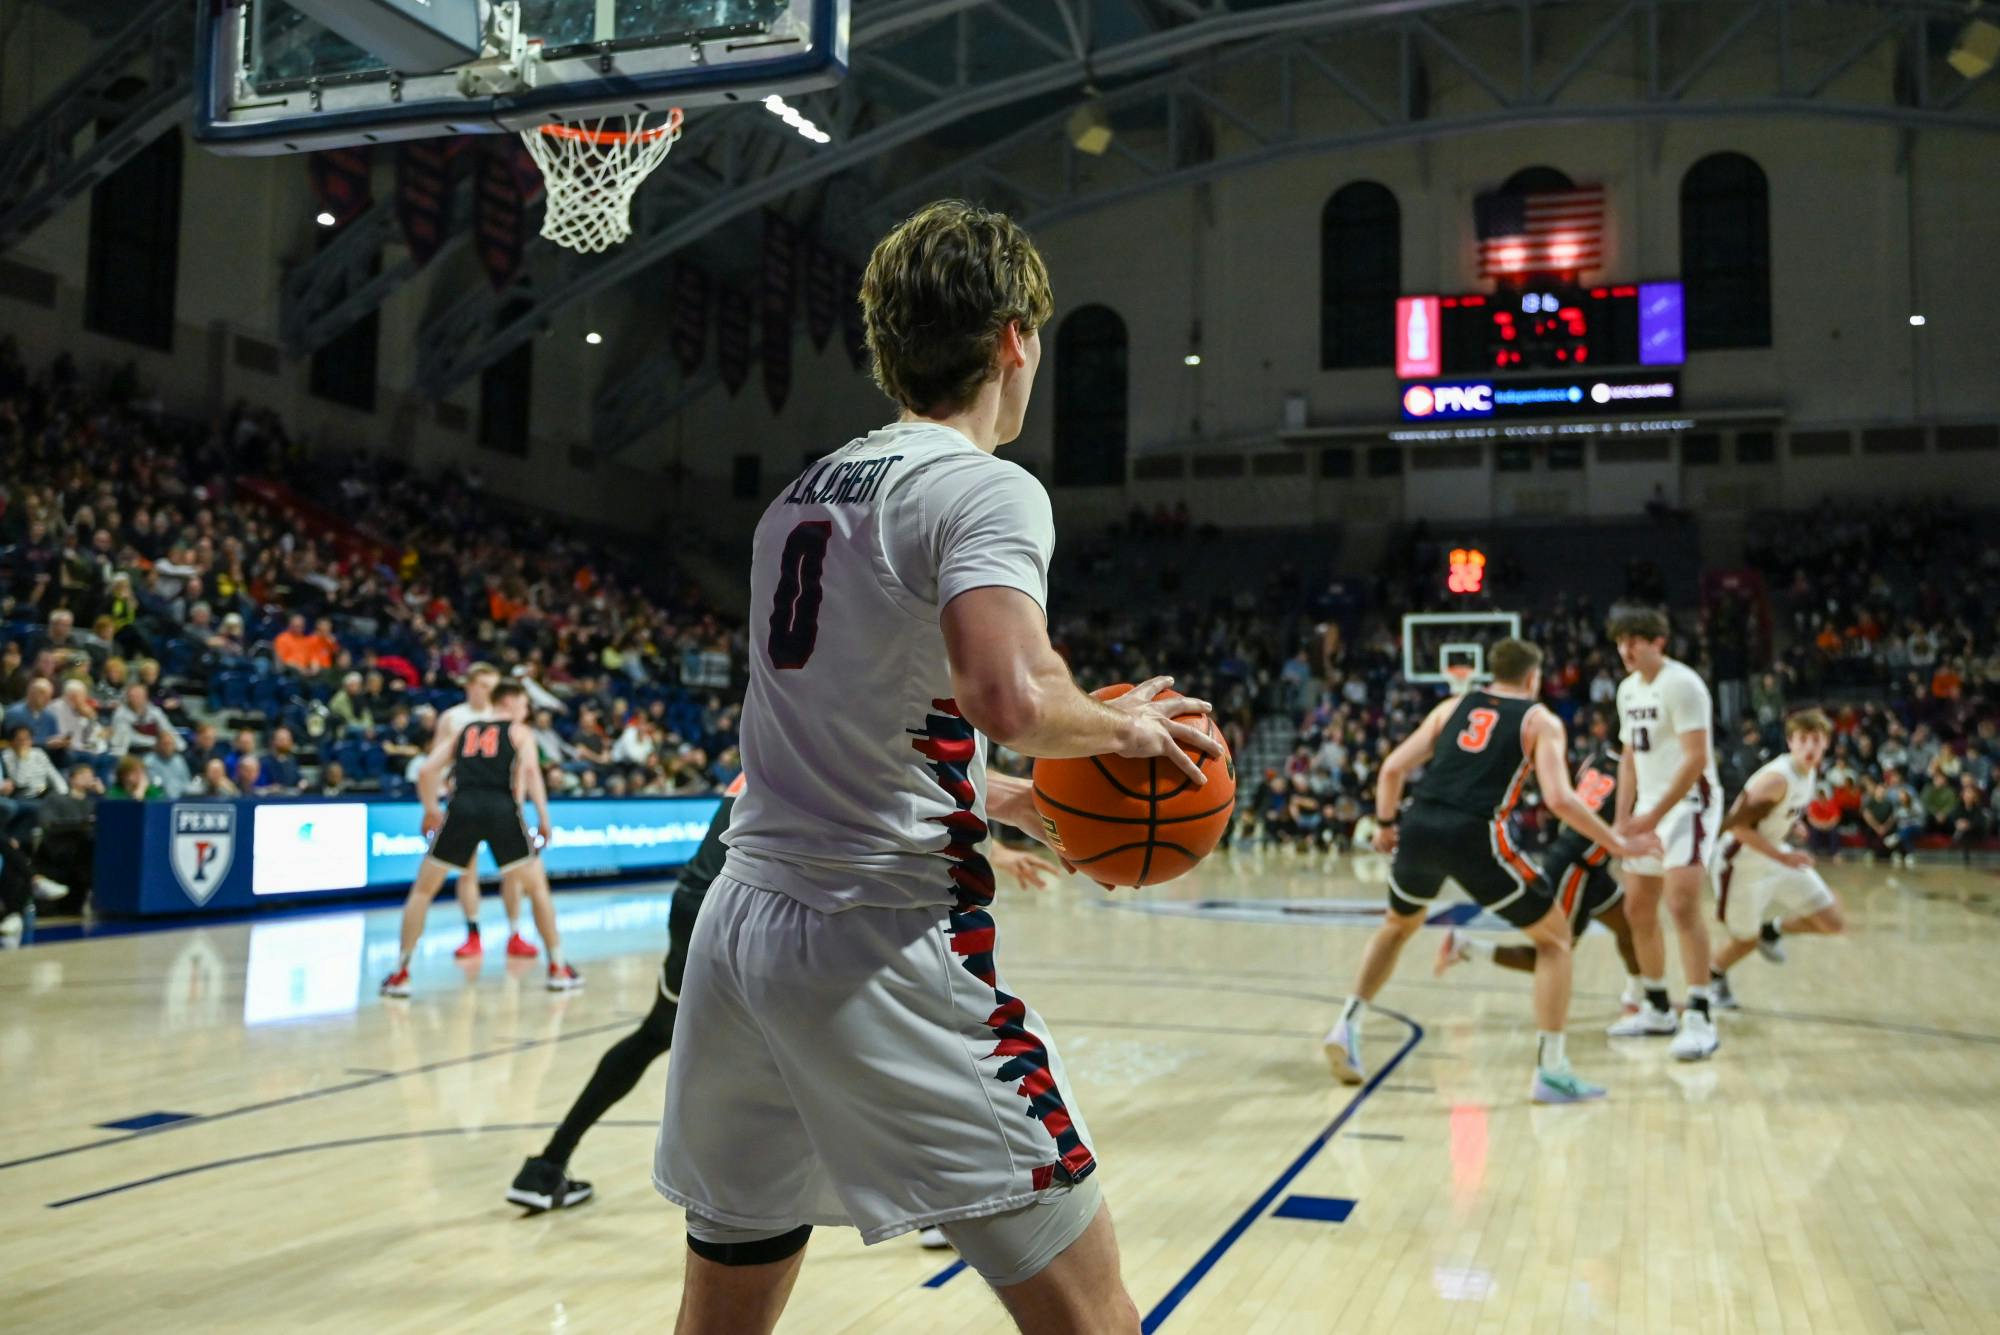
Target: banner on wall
[(210, 856), (826, 288), (423, 194), (690, 319), (732, 338), (781, 269)]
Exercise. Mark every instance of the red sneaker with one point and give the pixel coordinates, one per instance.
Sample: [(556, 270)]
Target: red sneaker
[(397, 984), (564, 978), (519, 949), (471, 950)]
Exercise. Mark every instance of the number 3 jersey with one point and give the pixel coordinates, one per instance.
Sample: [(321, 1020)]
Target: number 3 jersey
[(1652, 716), (1479, 767), (866, 786)]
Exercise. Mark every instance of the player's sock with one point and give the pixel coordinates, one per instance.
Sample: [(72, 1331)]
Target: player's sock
[(1477, 948), (1698, 1000), (1656, 993), (404, 963), (1549, 1053), (1350, 1014), (513, 924), (555, 959), (472, 928), (1771, 930), (1715, 975)]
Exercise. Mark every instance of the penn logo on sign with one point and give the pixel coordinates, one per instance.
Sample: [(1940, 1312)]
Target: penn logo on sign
[(204, 845)]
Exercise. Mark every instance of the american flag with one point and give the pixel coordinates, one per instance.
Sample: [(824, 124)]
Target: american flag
[(1539, 231)]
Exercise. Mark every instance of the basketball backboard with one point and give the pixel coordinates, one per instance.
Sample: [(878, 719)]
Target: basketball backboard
[(1436, 642), (271, 79)]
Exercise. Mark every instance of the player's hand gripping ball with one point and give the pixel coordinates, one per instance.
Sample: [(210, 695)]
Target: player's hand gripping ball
[(1121, 821)]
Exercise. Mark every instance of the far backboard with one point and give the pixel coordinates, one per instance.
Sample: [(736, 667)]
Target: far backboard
[(271, 79)]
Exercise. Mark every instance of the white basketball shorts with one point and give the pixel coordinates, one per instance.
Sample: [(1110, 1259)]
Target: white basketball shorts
[(865, 1067), (1687, 833), (1751, 890)]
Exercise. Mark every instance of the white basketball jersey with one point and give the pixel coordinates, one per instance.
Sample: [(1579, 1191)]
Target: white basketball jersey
[(1777, 826), (865, 786), (1651, 718), (454, 719)]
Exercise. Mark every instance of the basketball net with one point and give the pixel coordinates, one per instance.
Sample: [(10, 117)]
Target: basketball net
[(593, 171), (1458, 678)]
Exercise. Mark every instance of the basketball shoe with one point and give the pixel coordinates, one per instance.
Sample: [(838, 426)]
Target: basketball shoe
[(564, 978), (1771, 943), (471, 950), (1696, 1040), (542, 1184), (932, 1239), (1343, 1053), (520, 949), (1642, 1023), (1563, 1086), (1719, 995), (397, 984)]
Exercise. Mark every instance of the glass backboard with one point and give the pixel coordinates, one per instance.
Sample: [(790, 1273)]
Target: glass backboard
[(274, 80), (1436, 642)]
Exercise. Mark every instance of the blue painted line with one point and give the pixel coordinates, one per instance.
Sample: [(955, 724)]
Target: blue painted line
[(1178, 1294), (146, 1121), (290, 1150), (204, 1119), (944, 1276), (1319, 1209)]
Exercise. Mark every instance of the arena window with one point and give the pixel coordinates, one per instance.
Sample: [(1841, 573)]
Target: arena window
[(1361, 274), (1093, 384), (1726, 253)]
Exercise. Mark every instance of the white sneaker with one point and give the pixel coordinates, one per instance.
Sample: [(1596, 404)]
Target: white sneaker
[(1696, 1040), (932, 1239), (11, 925), (1773, 951), (1642, 1023), (1343, 1054), (46, 890)]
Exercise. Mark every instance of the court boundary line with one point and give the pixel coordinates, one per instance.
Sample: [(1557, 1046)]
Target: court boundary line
[(347, 1087), (1175, 1296), (286, 1151)]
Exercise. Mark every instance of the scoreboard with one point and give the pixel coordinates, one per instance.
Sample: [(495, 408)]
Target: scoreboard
[(1542, 327)]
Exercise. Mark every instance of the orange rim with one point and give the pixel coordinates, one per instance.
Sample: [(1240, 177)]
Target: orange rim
[(560, 131)]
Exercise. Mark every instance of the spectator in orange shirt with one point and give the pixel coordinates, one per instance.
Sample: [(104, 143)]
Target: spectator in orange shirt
[(1946, 683), (302, 652), (294, 647)]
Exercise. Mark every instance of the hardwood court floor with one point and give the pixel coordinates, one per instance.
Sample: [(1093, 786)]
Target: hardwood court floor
[(1836, 1168)]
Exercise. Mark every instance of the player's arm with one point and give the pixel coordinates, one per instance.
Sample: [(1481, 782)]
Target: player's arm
[(528, 775), (1550, 747), (430, 778), (1628, 788), (1011, 801), (1412, 753), (1012, 685), (1753, 804)]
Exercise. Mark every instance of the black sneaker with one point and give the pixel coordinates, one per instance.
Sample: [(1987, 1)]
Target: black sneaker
[(542, 1185)]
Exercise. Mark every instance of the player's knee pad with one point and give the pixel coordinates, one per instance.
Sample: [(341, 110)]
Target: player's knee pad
[(742, 1246), (1014, 1247)]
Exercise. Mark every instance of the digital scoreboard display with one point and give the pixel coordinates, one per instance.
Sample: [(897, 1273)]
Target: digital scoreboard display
[(1544, 327)]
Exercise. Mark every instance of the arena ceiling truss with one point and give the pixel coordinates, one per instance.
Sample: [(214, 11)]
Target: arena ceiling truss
[(973, 97)]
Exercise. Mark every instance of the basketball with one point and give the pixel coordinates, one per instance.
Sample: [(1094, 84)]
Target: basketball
[(1136, 822)]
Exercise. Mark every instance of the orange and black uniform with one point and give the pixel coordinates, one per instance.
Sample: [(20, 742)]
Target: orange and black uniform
[(1456, 825), (482, 807), (1578, 870)]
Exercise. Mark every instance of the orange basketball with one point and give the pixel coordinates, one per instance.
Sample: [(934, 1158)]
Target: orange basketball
[(1136, 822)]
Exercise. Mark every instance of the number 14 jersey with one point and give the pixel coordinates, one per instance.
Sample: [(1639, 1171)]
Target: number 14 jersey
[(866, 787)]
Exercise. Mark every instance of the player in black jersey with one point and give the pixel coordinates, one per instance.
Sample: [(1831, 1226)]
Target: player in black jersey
[(1577, 870), (493, 764), (544, 1182), (1477, 752)]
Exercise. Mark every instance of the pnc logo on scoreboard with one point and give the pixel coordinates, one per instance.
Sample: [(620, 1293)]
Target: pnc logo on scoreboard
[(1472, 398), (204, 846)]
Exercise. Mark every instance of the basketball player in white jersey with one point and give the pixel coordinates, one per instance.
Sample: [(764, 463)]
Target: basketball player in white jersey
[(847, 1053), (1766, 890), (475, 708), (1667, 784)]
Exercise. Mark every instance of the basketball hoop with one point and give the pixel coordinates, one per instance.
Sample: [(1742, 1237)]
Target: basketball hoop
[(1458, 678), (592, 173)]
